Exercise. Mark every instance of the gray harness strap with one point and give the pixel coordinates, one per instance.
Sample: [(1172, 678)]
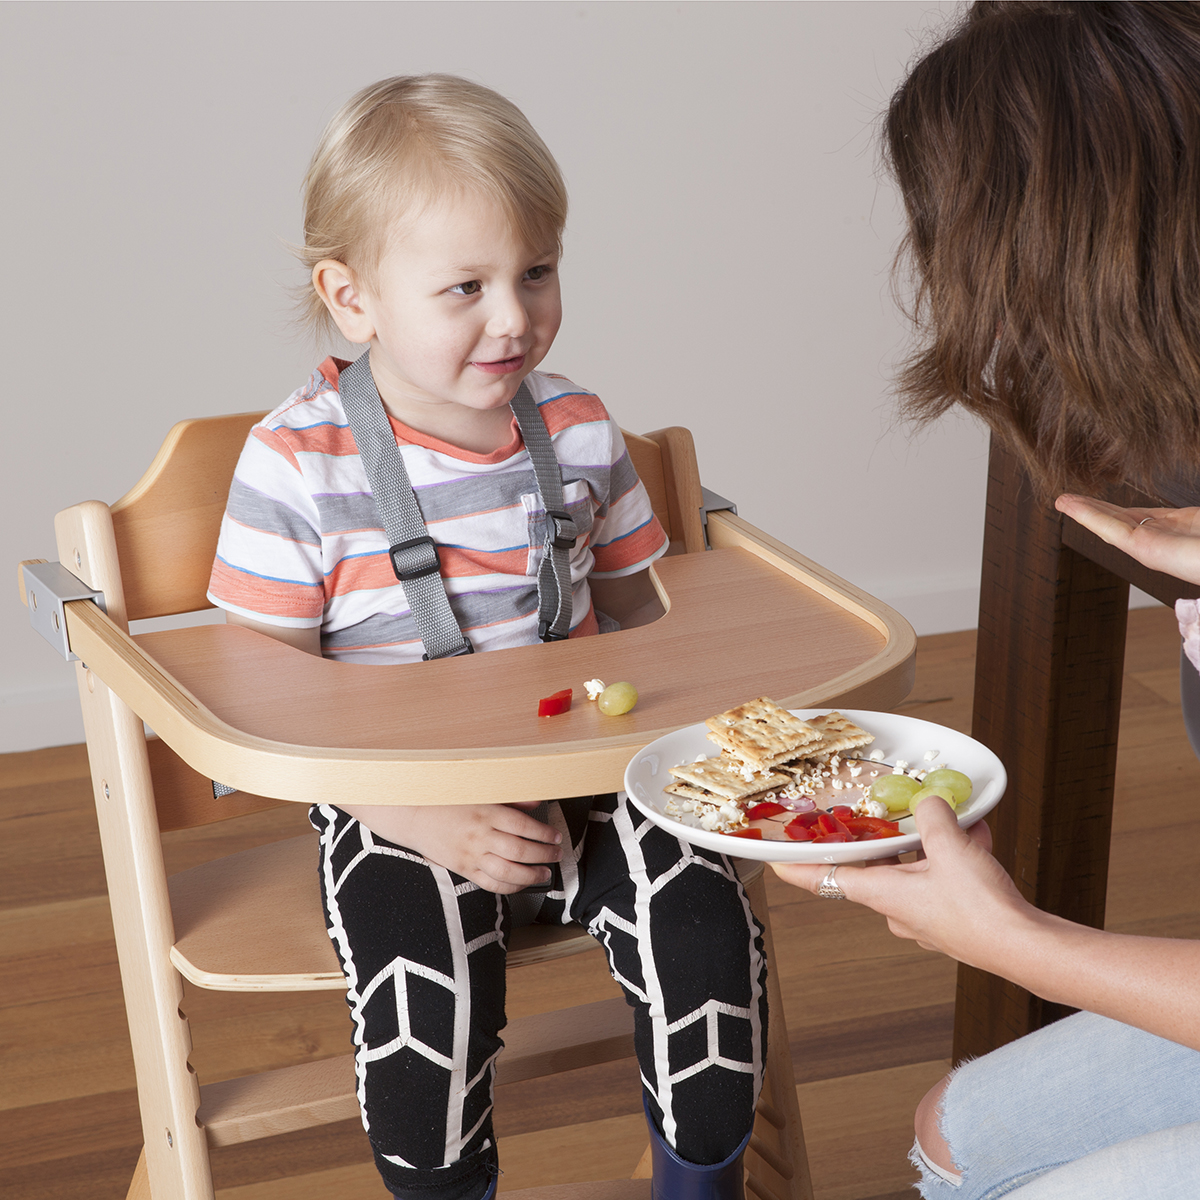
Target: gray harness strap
[(412, 551), (554, 575)]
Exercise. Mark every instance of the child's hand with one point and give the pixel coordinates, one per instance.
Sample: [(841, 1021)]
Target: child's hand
[(1163, 539), (495, 846)]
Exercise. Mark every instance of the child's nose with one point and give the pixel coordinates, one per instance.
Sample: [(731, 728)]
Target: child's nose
[(509, 319)]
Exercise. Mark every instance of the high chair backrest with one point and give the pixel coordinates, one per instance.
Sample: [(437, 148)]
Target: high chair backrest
[(166, 526)]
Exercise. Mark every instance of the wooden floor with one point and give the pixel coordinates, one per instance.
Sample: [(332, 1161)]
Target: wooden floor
[(869, 1016)]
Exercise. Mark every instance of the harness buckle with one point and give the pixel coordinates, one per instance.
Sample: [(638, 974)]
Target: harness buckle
[(426, 563), (465, 648), (565, 533)]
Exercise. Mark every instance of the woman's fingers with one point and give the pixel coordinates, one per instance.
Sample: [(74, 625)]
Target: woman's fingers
[(1163, 539)]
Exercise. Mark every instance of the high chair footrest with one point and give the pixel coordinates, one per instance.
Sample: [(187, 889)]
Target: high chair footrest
[(608, 1189)]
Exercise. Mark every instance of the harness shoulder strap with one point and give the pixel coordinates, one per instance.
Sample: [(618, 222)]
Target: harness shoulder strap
[(412, 551), (554, 575)]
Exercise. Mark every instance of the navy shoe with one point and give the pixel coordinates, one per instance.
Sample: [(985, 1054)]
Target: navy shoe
[(675, 1179)]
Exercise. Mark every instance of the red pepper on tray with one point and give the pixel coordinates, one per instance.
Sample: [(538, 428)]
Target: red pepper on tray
[(551, 706), (768, 808), (746, 833)]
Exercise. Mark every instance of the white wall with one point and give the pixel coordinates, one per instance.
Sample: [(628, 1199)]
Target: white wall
[(727, 255)]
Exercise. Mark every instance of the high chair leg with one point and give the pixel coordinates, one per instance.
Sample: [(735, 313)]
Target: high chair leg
[(776, 1159), (139, 1185)]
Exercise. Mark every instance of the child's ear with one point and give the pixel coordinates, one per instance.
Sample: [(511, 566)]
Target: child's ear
[(336, 285)]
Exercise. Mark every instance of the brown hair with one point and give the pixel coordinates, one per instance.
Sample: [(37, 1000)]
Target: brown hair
[(398, 145), (1049, 159)]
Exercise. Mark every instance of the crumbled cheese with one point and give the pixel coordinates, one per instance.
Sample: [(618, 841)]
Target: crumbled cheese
[(870, 808)]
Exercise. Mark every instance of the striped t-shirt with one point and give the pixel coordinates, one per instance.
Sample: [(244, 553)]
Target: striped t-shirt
[(302, 543)]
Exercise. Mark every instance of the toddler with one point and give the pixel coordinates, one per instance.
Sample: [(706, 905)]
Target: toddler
[(441, 496)]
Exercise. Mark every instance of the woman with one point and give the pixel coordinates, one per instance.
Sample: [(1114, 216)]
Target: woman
[(1047, 156)]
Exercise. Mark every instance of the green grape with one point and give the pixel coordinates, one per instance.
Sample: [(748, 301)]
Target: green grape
[(938, 790), (617, 698), (956, 781), (895, 791)]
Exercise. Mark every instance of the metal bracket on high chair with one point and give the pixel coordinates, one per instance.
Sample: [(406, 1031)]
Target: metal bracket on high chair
[(713, 503), (48, 587)]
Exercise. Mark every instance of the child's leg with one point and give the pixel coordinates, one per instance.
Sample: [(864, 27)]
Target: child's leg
[(683, 943), (423, 953)]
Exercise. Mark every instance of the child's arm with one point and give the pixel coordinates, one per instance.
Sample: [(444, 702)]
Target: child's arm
[(308, 640), (631, 600), (495, 846)]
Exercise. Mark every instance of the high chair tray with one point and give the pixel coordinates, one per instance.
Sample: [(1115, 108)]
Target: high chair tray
[(750, 617)]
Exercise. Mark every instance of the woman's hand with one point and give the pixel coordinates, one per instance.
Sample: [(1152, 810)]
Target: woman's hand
[(954, 900), (1163, 539), (495, 846)]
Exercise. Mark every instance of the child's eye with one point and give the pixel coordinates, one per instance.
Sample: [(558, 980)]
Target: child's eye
[(472, 288), (537, 274)]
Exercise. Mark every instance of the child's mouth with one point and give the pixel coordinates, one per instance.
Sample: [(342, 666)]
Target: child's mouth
[(503, 366)]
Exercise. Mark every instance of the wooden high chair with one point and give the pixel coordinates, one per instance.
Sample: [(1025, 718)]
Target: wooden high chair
[(253, 921)]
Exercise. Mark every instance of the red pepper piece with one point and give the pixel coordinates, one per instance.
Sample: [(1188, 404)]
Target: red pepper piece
[(842, 811), (834, 837), (747, 833), (827, 823), (872, 827), (808, 819), (799, 831), (768, 808), (551, 706)]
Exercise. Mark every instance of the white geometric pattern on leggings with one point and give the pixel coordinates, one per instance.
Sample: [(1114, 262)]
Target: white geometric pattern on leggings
[(602, 926), (645, 891), (398, 970)]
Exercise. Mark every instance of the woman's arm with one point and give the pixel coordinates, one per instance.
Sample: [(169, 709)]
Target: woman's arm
[(959, 901)]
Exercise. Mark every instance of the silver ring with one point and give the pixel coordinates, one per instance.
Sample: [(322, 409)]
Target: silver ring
[(1144, 520), (830, 889)]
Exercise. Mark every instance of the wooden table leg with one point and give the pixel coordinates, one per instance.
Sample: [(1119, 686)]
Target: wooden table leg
[(1047, 701)]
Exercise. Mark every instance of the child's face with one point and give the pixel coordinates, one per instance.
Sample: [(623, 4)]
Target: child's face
[(462, 312)]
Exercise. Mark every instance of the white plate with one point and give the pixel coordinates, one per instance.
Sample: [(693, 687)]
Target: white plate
[(897, 736)]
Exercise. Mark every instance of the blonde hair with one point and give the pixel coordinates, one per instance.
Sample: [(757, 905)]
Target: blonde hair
[(397, 146)]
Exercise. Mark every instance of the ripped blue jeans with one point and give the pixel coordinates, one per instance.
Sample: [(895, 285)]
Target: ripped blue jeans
[(1085, 1109)]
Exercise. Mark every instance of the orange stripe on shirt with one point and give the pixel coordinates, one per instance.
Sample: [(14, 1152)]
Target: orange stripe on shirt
[(577, 408), (256, 594), (635, 548)]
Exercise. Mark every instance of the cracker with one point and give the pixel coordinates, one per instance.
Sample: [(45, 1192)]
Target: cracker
[(715, 775), (837, 733), (694, 793), (761, 733)]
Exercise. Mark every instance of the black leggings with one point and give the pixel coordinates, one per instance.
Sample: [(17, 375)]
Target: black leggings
[(423, 951)]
